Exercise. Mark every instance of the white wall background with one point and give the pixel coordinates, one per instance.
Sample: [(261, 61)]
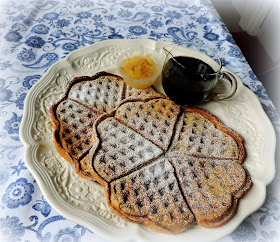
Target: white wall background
[(261, 18)]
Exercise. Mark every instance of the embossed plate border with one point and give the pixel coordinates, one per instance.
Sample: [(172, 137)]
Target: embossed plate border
[(83, 201)]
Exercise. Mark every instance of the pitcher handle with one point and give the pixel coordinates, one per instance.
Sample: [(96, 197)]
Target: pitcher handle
[(221, 96)]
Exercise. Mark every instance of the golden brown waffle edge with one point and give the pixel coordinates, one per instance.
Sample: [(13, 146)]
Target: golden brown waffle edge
[(168, 151)]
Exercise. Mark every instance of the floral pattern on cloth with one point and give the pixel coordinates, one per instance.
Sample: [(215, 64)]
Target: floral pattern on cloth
[(37, 33)]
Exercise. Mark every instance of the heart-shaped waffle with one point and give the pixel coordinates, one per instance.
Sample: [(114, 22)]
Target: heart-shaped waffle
[(121, 150), (152, 196), (76, 124), (211, 187), (201, 134), (162, 165), (154, 119)]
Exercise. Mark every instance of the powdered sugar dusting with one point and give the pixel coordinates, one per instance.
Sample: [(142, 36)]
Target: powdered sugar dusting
[(76, 123), (209, 186), (154, 120), (141, 94), (198, 180), (122, 150), (198, 136), (103, 93), (153, 192)]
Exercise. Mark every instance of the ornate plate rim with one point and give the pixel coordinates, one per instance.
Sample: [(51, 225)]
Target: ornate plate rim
[(261, 177)]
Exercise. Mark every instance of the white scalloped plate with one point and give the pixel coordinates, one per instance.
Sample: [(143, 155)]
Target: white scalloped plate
[(83, 201)]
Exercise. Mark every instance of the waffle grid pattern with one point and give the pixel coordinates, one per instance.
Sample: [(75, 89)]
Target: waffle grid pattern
[(161, 165)]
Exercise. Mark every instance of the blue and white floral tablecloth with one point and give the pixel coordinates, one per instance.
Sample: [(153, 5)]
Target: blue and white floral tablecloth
[(35, 34)]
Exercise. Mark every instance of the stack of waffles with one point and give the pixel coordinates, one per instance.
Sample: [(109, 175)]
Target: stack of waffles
[(162, 165)]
